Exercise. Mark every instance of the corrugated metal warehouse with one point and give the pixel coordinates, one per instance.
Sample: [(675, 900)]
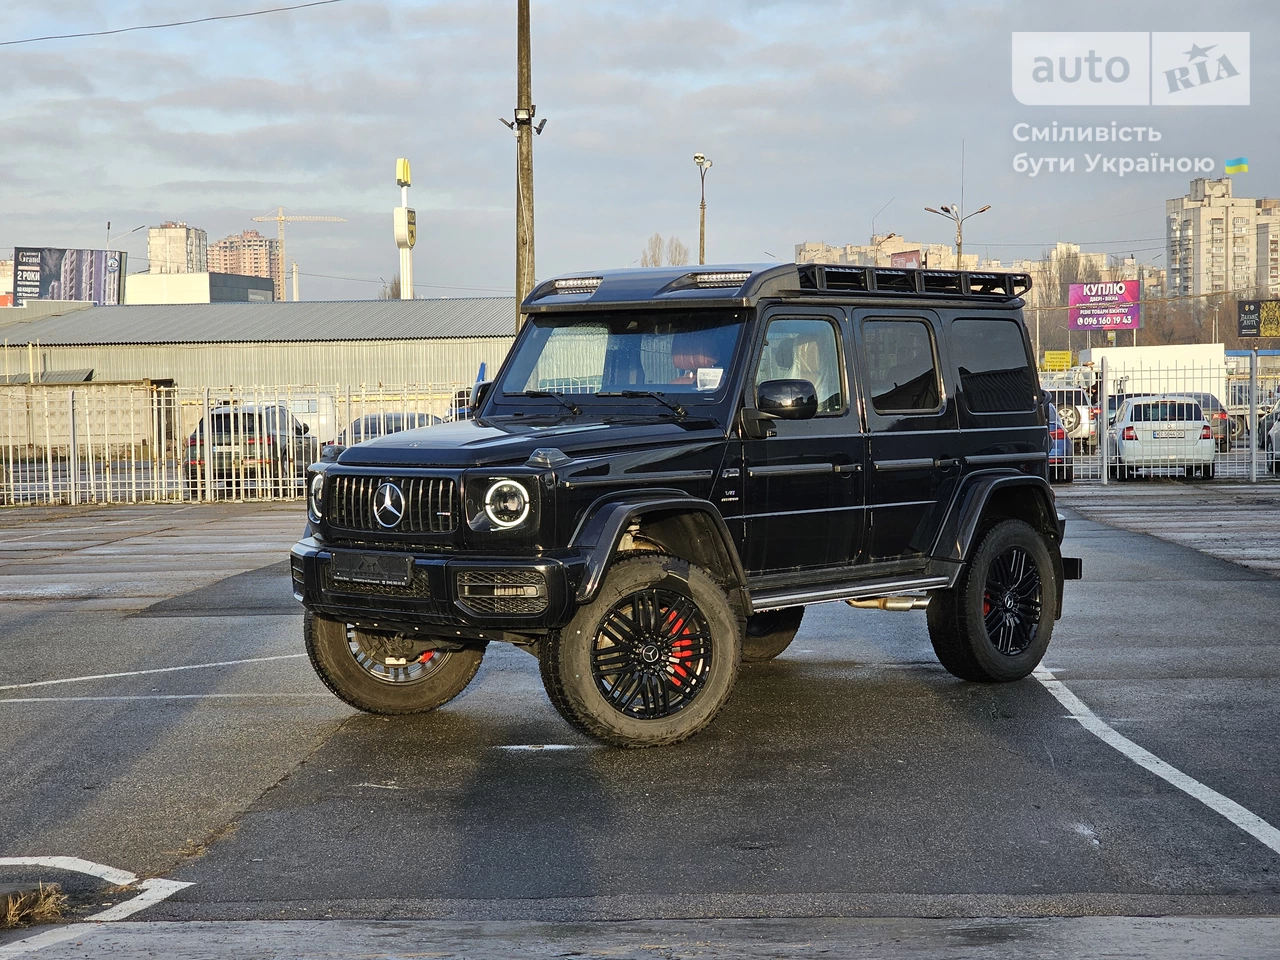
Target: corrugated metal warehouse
[(222, 344)]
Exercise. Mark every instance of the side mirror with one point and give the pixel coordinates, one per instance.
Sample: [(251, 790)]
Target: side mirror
[(479, 393), (306, 429), (787, 399)]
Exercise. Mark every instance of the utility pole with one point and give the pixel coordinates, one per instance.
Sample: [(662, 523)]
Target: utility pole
[(522, 126)]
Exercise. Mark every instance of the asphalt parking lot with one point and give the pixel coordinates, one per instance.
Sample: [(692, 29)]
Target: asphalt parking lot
[(851, 793)]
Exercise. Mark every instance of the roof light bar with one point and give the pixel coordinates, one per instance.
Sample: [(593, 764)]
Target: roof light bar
[(578, 284), (735, 279)]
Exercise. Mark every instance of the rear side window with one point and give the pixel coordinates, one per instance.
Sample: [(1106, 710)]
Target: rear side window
[(902, 367), (995, 374), (1177, 411)]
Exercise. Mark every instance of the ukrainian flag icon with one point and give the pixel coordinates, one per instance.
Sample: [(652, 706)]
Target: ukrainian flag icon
[(1238, 165)]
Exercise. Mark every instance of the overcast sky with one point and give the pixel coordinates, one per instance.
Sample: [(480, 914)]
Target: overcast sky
[(815, 114)]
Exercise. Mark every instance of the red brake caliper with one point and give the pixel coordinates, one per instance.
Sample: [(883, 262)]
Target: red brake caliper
[(986, 604), (680, 650), (426, 656)]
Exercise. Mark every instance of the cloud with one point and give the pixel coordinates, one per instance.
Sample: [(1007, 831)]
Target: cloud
[(815, 113)]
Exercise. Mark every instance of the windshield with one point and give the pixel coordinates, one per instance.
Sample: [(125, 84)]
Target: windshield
[(684, 354)]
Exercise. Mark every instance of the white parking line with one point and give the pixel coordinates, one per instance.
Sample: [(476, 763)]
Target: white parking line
[(1246, 820), (75, 864), (140, 673), (153, 890)]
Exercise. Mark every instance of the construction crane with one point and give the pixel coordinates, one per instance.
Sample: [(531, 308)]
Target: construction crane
[(281, 218)]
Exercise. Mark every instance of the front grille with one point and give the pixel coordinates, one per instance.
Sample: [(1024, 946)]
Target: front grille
[(471, 582), (419, 589), (431, 504)]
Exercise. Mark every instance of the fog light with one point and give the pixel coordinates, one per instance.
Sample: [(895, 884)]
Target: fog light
[(503, 591)]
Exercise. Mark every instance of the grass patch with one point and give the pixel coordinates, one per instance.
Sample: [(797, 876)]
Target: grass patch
[(42, 905)]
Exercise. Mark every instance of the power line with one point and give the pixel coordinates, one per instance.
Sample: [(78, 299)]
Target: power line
[(175, 23)]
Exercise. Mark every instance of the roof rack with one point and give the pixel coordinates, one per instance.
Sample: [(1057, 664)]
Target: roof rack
[(913, 282)]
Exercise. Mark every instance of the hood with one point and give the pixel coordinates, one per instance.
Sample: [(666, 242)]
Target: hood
[(510, 440)]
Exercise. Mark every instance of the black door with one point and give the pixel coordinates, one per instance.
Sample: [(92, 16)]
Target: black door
[(803, 486), (914, 441)]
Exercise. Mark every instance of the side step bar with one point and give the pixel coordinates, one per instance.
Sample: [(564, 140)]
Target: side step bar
[(779, 599)]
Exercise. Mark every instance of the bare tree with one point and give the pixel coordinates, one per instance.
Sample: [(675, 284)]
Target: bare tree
[(1058, 273), (392, 290), (652, 255), (657, 251)]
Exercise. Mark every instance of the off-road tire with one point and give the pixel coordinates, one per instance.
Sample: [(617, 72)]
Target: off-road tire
[(566, 656), (770, 633), (956, 619), (327, 647)]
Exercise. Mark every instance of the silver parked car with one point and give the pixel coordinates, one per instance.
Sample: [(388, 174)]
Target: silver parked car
[(1166, 431)]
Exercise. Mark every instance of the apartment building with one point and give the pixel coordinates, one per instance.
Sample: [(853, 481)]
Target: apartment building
[(1216, 242), (174, 247), (248, 254), (880, 252)]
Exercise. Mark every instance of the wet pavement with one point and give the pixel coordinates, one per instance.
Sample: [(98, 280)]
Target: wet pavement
[(852, 778)]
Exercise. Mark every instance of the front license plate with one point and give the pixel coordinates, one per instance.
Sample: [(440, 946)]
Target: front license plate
[(373, 568), (1170, 434)]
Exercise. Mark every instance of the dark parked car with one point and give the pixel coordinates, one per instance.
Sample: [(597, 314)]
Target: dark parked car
[(1061, 450), (670, 465), (1223, 427), (250, 446), (375, 425)]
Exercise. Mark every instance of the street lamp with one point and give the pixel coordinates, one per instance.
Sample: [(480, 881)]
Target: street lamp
[(703, 166), (885, 238), (141, 226), (953, 213)]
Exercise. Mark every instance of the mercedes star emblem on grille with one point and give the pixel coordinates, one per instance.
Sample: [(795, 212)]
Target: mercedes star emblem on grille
[(388, 505)]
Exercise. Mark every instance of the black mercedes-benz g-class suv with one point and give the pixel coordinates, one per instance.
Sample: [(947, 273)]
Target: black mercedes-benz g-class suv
[(669, 466)]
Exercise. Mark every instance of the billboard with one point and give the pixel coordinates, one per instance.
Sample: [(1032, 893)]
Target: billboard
[(1258, 318), (51, 273), (1106, 305), (905, 258)]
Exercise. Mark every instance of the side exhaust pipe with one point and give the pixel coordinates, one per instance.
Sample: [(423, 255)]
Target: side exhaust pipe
[(900, 604)]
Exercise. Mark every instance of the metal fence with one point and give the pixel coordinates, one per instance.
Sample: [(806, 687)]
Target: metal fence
[(1181, 422), (132, 443)]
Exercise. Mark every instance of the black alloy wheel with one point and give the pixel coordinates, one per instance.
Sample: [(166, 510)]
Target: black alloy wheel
[(651, 659), (1011, 602), (996, 622), (652, 654)]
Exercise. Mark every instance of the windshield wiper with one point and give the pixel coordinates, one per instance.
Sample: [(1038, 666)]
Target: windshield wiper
[(634, 394), (559, 397)]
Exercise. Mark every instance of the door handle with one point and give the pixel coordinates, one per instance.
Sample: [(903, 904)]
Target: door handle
[(946, 463)]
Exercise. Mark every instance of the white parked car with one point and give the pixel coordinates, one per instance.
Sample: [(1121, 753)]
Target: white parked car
[(1170, 432), (1273, 446)]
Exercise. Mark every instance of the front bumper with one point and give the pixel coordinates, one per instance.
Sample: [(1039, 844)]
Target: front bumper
[(432, 600)]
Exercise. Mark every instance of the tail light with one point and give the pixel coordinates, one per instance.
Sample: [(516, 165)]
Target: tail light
[(1206, 433), (1220, 415), (1057, 433), (1130, 434), (1094, 411)]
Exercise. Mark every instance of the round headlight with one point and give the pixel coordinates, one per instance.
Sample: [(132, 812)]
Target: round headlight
[(506, 504), (317, 493)]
